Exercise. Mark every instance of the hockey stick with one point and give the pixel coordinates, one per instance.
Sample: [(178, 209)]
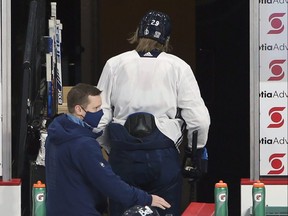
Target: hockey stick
[(58, 40), (48, 50)]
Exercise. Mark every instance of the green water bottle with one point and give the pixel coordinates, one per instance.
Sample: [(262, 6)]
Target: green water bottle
[(221, 199), (38, 196), (258, 193)]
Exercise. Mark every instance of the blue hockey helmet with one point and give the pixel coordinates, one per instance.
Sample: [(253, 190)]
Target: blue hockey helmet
[(155, 25), (141, 210)]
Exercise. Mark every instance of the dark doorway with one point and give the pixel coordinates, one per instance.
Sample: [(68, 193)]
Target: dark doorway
[(222, 38)]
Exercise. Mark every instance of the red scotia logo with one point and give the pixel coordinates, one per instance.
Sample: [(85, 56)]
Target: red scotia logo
[(276, 69), (276, 23), (276, 163), (276, 117)]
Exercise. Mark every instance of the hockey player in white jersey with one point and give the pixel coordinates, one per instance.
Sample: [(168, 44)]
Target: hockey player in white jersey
[(142, 90)]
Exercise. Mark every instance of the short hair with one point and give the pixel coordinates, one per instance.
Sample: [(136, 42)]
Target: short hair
[(78, 95)]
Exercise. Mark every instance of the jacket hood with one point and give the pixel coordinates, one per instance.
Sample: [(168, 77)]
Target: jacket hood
[(61, 130)]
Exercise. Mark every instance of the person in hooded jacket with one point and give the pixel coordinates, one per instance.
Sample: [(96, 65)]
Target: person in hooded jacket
[(78, 178)]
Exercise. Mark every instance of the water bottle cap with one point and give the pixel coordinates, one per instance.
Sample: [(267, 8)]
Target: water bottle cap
[(258, 184), (220, 184), (39, 184)]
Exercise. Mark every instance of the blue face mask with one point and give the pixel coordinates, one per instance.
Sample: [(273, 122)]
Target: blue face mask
[(93, 118)]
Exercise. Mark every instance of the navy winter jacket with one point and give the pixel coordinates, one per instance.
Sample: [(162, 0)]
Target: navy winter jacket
[(78, 179)]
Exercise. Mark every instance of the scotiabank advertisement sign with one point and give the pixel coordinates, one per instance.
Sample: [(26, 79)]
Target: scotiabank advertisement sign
[(273, 95)]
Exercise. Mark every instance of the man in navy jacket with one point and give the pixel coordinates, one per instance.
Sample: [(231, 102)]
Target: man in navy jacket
[(78, 178)]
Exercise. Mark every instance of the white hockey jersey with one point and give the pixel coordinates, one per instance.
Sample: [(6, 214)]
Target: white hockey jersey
[(157, 85)]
